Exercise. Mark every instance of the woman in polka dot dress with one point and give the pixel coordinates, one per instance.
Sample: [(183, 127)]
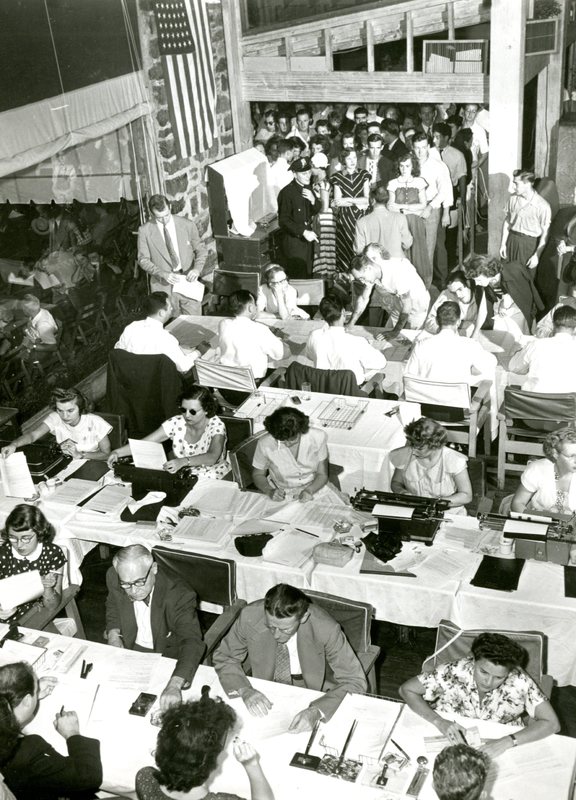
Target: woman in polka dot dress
[(27, 545), (198, 437)]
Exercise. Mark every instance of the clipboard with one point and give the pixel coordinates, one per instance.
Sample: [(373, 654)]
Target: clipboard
[(502, 574)]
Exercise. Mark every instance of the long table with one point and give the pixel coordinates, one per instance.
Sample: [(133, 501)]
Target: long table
[(102, 700)]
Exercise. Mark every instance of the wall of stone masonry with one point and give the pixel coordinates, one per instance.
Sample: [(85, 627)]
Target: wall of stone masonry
[(184, 178)]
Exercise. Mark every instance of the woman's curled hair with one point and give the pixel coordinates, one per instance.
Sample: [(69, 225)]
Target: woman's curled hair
[(204, 396), (554, 441), (16, 681), (29, 518), (287, 423), (499, 650), (191, 738), (425, 432)]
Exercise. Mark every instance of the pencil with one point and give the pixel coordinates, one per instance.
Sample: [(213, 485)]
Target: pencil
[(61, 710), (397, 746)]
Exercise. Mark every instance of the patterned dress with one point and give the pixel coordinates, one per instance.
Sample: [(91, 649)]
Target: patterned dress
[(49, 558), (350, 186), (175, 429), (148, 788)]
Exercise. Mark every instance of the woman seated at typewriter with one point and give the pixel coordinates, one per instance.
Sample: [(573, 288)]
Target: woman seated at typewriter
[(27, 545), (77, 433), (549, 484), (488, 684), (291, 462), (426, 467), (198, 437)]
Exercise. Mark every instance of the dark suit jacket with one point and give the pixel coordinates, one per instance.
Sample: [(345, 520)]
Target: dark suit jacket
[(321, 644), (294, 217), (518, 282), (386, 168), (175, 627), (38, 772), (398, 150), (153, 254)]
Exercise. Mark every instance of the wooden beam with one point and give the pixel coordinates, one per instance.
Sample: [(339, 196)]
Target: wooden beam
[(369, 46), (375, 87), (328, 50), (241, 120), (507, 44), (409, 42), (450, 14), (289, 51), (549, 106)]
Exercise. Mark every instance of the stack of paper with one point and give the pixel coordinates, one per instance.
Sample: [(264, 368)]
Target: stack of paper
[(73, 491), (18, 589), (11, 652), (209, 533), (16, 478), (110, 500), (291, 548)]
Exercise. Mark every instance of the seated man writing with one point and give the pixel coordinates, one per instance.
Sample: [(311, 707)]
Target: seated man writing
[(153, 612), (288, 639), (489, 684), (332, 347)]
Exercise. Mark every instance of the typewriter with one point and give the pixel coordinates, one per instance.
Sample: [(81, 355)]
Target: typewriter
[(546, 539), (393, 513)]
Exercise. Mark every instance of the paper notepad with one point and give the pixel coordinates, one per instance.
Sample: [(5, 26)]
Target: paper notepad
[(16, 478), (518, 527), (192, 289), (18, 589), (110, 500), (147, 455), (202, 532), (290, 548), (73, 491)]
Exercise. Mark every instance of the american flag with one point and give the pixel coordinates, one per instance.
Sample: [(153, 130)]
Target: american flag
[(186, 51)]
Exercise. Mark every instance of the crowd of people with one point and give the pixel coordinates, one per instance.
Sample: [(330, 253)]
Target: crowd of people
[(385, 191)]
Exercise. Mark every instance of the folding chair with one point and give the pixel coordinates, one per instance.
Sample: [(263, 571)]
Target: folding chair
[(222, 376)]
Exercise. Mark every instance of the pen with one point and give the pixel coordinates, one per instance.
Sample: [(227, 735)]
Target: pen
[(312, 737), (301, 530), (83, 669), (463, 737), (61, 710), (347, 742), (397, 746)]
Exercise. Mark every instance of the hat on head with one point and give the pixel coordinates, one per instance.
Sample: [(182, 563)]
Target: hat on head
[(301, 164), (40, 226)]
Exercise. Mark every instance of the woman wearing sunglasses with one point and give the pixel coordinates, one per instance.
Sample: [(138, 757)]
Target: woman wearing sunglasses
[(198, 437)]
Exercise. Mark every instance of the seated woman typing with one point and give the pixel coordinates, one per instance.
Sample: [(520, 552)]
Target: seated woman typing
[(292, 461), (489, 684), (31, 767), (190, 745), (549, 484), (426, 467), (79, 434), (276, 298), (198, 437), (27, 545)]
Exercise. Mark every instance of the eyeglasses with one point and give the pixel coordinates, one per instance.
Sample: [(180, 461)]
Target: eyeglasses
[(136, 584), (191, 411), (277, 283), (22, 539)]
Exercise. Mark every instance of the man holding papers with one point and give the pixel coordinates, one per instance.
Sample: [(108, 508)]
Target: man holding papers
[(151, 611), (171, 251), (288, 639)]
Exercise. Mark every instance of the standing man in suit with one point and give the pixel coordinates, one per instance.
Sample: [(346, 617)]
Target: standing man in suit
[(297, 204), (289, 639), (170, 249), (394, 148), (153, 612), (380, 168)]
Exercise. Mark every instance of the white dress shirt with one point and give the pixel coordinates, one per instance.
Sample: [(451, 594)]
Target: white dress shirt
[(42, 327), (399, 278), (245, 343), (171, 228), (550, 364), (147, 337), (144, 636), (332, 347), (437, 175), (448, 357)]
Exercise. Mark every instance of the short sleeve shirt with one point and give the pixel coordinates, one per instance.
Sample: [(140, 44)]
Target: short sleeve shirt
[(451, 688), (87, 434), (175, 429), (538, 478), (51, 558)]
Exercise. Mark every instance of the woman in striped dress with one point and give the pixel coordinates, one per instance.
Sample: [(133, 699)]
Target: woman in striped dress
[(351, 192)]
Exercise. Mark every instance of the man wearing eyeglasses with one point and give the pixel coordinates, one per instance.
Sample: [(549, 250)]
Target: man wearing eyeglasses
[(153, 612)]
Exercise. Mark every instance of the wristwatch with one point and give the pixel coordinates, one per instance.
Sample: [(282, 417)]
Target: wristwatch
[(514, 740)]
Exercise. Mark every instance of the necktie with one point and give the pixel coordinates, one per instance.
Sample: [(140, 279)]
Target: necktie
[(171, 250), (282, 673)]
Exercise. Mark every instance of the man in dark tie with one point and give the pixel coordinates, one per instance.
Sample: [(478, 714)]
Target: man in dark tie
[(289, 639), (171, 251), (153, 611)]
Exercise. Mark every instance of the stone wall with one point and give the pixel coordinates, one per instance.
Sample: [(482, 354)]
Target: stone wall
[(184, 178)]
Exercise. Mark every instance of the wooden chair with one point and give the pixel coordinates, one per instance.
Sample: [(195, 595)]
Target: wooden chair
[(117, 435), (525, 419), (241, 459), (90, 318), (453, 643), (355, 618), (238, 430), (451, 404), (39, 618), (214, 581), (234, 379)]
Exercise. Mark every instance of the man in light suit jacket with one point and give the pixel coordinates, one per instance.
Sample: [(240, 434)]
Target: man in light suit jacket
[(171, 251), (288, 639), (152, 611)]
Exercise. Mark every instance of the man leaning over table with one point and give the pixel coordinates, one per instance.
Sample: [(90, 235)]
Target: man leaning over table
[(289, 639), (153, 612)]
